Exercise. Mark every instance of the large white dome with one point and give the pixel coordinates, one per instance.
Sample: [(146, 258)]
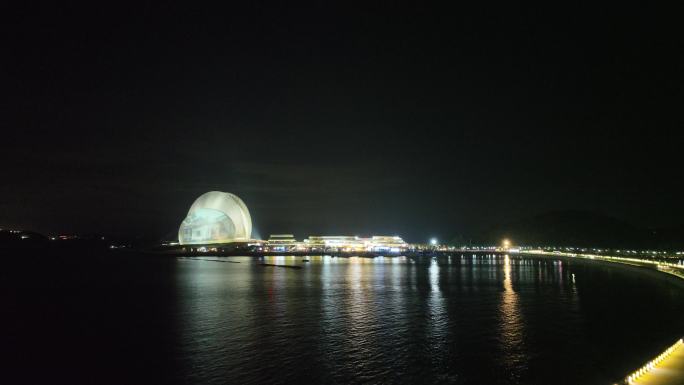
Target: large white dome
[(216, 217)]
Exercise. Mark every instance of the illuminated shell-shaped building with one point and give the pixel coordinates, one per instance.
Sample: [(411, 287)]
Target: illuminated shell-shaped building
[(216, 217)]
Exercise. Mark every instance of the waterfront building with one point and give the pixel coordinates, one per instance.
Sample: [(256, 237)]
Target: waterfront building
[(282, 242), (387, 243), (354, 243), (281, 239), (216, 217), (333, 243)]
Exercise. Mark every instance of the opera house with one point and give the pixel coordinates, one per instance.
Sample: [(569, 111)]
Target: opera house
[(216, 217)]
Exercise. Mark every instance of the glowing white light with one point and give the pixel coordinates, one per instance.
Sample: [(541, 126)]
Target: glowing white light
[(216, 217), (433, 241)]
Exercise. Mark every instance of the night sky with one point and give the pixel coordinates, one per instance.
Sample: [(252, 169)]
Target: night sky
[(329, 119)]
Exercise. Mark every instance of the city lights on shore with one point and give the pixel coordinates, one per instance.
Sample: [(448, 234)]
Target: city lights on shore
[(674, 268)]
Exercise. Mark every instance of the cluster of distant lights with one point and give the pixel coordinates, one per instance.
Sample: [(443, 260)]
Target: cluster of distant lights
[(505, 245), (584, 249), (649, 366), (434, 244)]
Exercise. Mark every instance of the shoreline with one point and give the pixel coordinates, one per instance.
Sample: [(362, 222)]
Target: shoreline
[(668, 366)]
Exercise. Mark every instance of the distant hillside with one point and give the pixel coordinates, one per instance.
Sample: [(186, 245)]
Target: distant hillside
[(584, 229)]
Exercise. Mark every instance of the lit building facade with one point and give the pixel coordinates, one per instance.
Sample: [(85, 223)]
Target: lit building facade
[(216, 217), (282, 239), (282, 242), (354, 243), (387, 243)]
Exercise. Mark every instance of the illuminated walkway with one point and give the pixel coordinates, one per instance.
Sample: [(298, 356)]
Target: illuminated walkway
[(669, 371)]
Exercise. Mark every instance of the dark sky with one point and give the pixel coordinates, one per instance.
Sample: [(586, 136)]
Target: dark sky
[(331, 118)]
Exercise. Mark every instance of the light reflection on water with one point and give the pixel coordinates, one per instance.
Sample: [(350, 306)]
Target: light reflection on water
[(511, 324), (459, 319), (438, 319)]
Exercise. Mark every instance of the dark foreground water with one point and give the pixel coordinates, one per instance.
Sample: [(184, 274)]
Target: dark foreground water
[(123, 318)]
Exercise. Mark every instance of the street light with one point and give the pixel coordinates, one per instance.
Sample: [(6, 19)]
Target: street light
[(506, 243), (433, 241)]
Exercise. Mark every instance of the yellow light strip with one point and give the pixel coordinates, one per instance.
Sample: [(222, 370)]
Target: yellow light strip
[(649, 366)]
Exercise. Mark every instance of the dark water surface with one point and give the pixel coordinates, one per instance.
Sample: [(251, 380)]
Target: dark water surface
[(126, 318)]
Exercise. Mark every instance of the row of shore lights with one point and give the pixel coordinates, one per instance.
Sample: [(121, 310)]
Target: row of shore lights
[(652, 364)]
